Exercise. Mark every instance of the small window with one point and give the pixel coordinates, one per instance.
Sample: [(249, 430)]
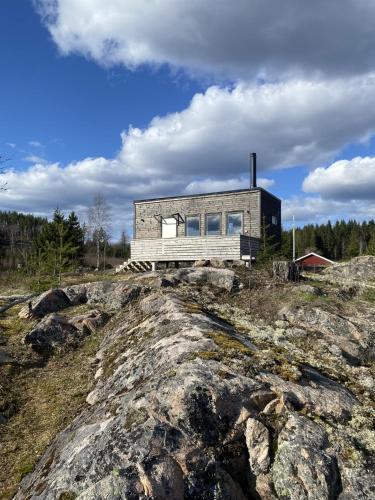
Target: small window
[(192, 225), (274, 220), (234, 223), (213, 224)]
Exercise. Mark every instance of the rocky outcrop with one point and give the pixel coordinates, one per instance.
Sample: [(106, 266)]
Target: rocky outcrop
[(184, 407), (353, 337), (113, 296), (358, 269), (56, 332)]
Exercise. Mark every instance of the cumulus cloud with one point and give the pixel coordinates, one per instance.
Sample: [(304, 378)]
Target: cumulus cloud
[(239, 38), (316, 210), (344, 180), (207, 145)]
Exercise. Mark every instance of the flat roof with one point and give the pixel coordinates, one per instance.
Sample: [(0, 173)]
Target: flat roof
[(199, 195)]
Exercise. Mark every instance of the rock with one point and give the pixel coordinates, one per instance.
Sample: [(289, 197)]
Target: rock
[(163, 282), (311, 290), (58, 332), (89, 322), (184, 405), (218, 263), (219, 278), (201, 263), (357, 269), (302, 468), (355, 340), (5, 358), (285, 271), (51, 301), (54, 332), (112, 295), (258, 445), (76, 294)]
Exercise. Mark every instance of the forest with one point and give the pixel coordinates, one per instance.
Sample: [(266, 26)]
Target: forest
[(339, 241), (37, 247)]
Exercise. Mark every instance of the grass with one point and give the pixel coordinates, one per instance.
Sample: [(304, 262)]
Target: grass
[(369, 295), (42, 397)]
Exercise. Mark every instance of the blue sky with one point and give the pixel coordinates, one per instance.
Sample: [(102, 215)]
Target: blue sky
[(142, 98)]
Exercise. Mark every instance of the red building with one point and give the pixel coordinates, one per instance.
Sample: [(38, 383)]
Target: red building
[(313, 261)]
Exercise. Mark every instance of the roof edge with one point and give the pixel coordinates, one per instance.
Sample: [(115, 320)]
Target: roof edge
[(200, 195)]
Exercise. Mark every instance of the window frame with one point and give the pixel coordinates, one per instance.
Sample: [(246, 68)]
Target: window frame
[(227, 222), (200, 225), (220, 214)]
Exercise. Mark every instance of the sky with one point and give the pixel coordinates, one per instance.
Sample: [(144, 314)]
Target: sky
[(146, 98)]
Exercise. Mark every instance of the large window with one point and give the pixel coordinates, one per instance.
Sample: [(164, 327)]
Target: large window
[(234, 223), (192, 225), (213, 224)]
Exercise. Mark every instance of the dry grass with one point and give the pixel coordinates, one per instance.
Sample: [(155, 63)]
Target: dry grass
[(39, 397)]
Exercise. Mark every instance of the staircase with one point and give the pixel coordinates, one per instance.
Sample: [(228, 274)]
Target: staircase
[(135, 266)]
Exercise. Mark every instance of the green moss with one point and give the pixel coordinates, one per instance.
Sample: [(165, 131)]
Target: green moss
[(228, 343), (209, 355), (67, 495), (25, 469)]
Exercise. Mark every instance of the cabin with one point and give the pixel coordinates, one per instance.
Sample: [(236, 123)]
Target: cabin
[(176, 231), (313, 261)]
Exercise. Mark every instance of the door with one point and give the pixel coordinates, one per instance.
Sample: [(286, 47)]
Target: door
[(169, 228)]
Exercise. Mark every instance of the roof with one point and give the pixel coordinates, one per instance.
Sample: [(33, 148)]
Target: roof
[(316, 255), (207, 194)]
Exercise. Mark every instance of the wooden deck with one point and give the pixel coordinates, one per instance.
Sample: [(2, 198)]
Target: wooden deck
[(193, 248)]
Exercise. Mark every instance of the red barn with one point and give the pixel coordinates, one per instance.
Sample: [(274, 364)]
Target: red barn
[(313, 261)]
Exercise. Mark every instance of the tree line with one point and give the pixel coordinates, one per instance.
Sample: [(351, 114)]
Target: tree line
[(339, 241), (39, 247)]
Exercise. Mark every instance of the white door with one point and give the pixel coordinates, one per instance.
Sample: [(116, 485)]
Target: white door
[(169, 228)]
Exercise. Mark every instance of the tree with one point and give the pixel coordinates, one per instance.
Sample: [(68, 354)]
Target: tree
[(58, 245), (99, 218)]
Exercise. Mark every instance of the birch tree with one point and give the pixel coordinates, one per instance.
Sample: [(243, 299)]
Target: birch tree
[(99, 222)]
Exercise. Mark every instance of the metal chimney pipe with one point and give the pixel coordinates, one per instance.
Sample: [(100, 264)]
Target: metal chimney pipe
[(253, 170)]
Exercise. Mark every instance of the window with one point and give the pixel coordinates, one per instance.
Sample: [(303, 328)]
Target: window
[(274, 220), (213, 224), (234, 223), (192, 227)]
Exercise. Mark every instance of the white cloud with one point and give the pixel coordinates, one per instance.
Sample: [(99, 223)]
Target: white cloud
[(35, 159), (35, 144), (11, 145), (316, 210), (240, 38), (213, 185), (207, 145), (344, 180)]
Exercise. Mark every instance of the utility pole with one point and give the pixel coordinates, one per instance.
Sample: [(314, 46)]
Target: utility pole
[(294, 240)]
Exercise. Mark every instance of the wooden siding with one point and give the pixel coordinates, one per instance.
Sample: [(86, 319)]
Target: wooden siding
[(192, 248), (147, 227)]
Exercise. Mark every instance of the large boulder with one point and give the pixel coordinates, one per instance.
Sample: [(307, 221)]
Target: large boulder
[(225, 279), (113, 295), (48, 302)]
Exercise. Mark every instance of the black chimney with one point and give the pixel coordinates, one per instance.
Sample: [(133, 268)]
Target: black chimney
[(253, 170)]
